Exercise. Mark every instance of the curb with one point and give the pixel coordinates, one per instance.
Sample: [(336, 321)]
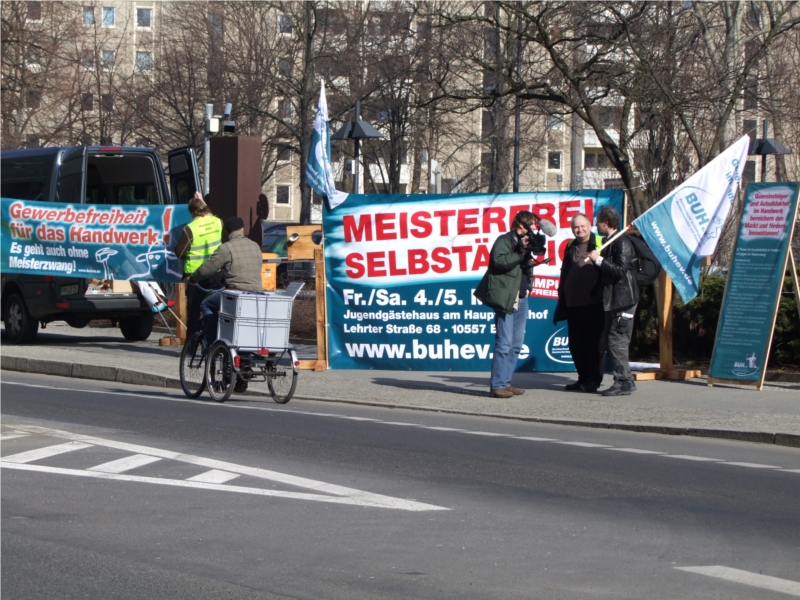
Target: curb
[(129, 376)]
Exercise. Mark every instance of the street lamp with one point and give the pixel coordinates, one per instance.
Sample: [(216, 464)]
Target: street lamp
[(212, 125), (357, 130), (765, 146)]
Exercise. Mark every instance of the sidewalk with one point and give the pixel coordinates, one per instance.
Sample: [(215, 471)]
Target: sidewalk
[(677, 408)]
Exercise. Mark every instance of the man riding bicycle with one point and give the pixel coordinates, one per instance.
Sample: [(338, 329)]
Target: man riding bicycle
[(238, 261)]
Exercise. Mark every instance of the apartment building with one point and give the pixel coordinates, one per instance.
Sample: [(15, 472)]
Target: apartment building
[(140, 73)]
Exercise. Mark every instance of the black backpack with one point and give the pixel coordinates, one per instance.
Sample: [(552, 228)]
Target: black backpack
[(648, 268)]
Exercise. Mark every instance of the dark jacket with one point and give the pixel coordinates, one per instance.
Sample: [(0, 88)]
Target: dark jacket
[(500, 286), (595, 241), (239, 262), (619, 280)]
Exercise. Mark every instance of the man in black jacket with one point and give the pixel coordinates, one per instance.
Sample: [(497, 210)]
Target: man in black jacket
[(620, 297), (580, 302)]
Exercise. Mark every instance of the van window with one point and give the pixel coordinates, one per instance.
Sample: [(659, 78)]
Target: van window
[(122, 179), (27, 178)]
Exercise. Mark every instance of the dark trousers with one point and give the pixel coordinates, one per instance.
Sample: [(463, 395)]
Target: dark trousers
[(194, 296), (617, 339), (585, 326)]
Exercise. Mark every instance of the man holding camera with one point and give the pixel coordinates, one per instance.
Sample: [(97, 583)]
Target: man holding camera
[(505, 288)]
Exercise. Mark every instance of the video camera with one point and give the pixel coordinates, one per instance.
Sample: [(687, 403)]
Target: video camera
[(536, 240)]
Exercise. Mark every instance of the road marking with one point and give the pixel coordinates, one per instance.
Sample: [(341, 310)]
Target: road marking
[(751, 465), (214, 476), (125, 464), (784, 586), (351, 495), (697, 458), (584, 444), (398, 423), (12, 436), (635, 450), (444, 429), (38, 454), (351, 500)]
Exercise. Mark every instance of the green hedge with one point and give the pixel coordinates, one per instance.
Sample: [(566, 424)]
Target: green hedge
[(694, 326)]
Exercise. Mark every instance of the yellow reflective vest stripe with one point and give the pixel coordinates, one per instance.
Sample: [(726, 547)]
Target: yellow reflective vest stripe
[(206, 237)]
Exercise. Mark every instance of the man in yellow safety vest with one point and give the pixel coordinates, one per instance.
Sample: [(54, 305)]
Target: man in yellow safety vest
[(200, 238)]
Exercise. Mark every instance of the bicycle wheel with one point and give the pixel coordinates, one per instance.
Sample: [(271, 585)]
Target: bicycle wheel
[(220, 377), (193, 367), (282, 381)]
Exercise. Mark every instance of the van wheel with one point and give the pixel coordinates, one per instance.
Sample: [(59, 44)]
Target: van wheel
[(137, 329), (21, 328)]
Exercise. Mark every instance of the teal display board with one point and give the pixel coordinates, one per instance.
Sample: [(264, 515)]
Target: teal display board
[(92, 241), (401, 271), (754, 285)]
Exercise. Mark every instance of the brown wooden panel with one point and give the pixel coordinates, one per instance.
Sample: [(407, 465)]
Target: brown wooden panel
[(304, 247)]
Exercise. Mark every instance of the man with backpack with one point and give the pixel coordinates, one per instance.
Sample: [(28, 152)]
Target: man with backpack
[(618, 263)]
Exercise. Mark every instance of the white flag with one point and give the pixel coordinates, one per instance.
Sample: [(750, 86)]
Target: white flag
[(319, 174), (686, 225)]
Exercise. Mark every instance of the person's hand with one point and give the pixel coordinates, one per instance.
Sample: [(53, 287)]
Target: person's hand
[(198, 195), (594, 255)]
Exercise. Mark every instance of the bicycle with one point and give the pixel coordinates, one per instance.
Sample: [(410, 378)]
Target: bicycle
[(246, 349)]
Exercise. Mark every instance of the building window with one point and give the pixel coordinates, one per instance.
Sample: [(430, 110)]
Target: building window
[(284, 109), (751, 128), (284, 153), (554, 161), (749, 173), (87, 102), (33, 11), (555, 122), (285, 24), (107, 58), (33, 99), (144, 17), (144, 60), (107, 102), (595, 159), (88, 15), (613, 184), (109, 18), (87, 59), (283, 194), (285, 66), (216, 28), (751, 94), (316, 198), (487, 125)]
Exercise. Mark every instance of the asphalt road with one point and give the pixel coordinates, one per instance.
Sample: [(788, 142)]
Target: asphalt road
[(114, 491)]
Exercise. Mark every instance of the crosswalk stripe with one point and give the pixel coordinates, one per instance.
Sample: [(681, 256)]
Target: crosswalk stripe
[(696, 458), (214, 476), (367, 500), (583, 444), (125, 464), (12, 436), (775, 584), (751, 465), (362, 497), (635, 450), (48, 451)]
